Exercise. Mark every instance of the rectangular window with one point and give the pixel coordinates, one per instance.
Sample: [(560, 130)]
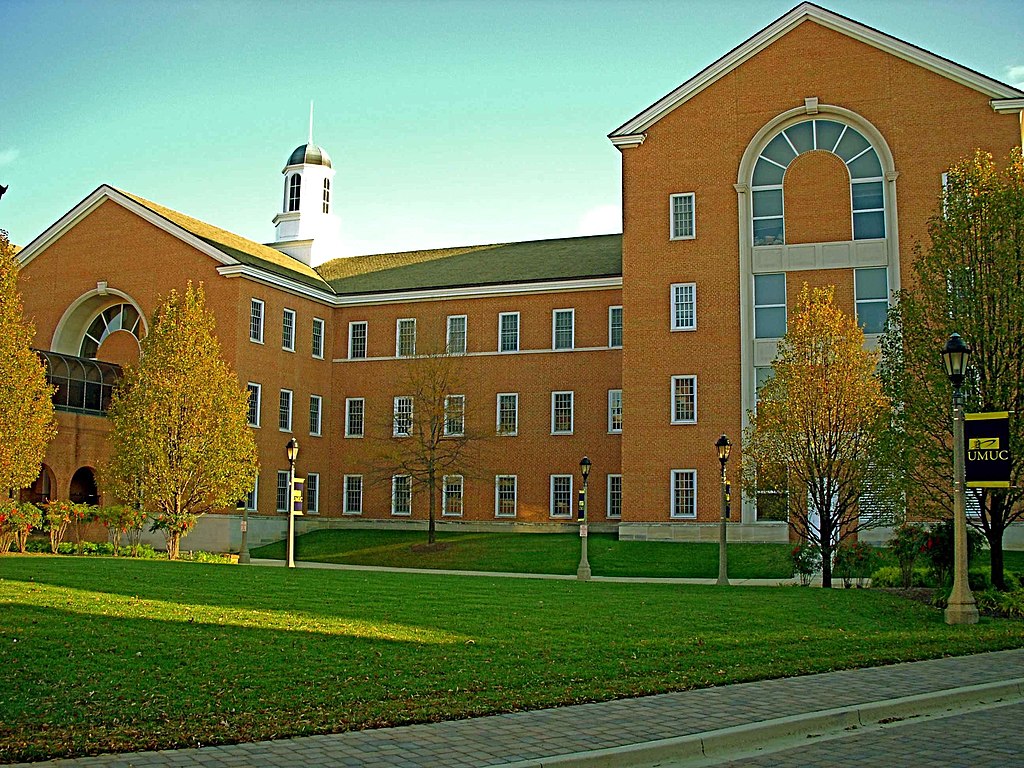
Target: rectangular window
[(405, 337), (614, 410), (561, 413), (315, 411), (454, 415), (456, 335), (256, 321), (318, 338), (614, 326), (684, 399), (451, 501), (761, 375), (681, 219), (561, 496), (288, 330), (401, 495), (403, 417), (282, 490), (284, 412), (357, 340), (684, 493), (354, 416), (508, 332), (252, 497), (255, 393), (505, 496), (684, 306), (353, 495), (614, 508), (563, 323), (770, 306), (871, 296), (508, 413), (313, 493)]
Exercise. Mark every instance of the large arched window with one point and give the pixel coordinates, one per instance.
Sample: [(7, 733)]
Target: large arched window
[(294, 190), (119, 317), (327, 195), (867, 196)]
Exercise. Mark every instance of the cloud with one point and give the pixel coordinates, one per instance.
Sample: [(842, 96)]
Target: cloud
[(1015, 76), (8, 156), (601, 220)]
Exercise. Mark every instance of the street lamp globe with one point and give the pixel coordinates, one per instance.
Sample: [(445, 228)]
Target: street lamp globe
[(292, 450), (954, 356), (724, 446), (585, 468)]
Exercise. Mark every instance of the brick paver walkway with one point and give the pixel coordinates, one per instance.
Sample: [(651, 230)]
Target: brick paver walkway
[(502, 739)]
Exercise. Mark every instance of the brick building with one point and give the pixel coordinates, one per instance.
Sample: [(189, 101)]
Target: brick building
[(813, 152)]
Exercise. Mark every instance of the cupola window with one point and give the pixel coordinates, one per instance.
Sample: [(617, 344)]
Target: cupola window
[(327, 195), (294, 190)]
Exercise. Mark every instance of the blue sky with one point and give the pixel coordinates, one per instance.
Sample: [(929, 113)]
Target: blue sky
[(449, 121)]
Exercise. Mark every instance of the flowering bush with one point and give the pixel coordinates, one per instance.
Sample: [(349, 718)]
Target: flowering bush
[(16, 522), (940, 551), (81, 514), (123, 522), (853, 561), (806, 559), (57, 515), (908, 543), (6, 528)]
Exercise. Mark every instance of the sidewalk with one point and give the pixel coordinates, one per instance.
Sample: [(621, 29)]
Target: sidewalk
[(670, 728)]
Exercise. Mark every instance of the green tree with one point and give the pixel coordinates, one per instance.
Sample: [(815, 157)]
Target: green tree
[(823, 421), (180, 444), (26, 411), (969, 280)]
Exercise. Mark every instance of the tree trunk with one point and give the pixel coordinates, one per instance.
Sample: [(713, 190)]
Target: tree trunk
[(431, 534), (173, 541), (826, 555)]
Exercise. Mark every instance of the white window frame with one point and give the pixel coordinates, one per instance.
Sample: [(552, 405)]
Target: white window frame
[(351, 339), (674, 419), (554, 329), (319, 415), (288, 331), (346, 490), (497, 495), (348, 417), (451, 402), (672, 234), (572, 412), (282, 474), (783, 305), (611, 411), (674, 305), (255, 399), (497, 427), (551, 497), (400, 400), (317, 334), (501, 316), (312, 491), (398, 336), (611, 334), (394, 496), (252, 498), (674, 513), (608, 498), (857, 301), (445, 512), (465, 335), (257, 312), (291, 404)]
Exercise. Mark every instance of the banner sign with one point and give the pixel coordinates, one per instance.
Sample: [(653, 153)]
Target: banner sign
[(987, 440), (297, 495)]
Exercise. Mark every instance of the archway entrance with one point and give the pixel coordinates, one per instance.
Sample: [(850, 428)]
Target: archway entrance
[(83, 487), (41, 491)]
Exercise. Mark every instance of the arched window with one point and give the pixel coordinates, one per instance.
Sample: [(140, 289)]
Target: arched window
[(119, 317), (294, 188), (327, 195), (867, 194)]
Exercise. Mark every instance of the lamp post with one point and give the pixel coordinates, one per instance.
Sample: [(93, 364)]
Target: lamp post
[(961, 608), (724, 446), (583, 572), (292, 452), (243, 550)]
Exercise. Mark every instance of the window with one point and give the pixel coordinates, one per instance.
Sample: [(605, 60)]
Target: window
[(284, 413), (318, 338), (561, 413), (614, 508), (508, 413), (508, 332), (454, 415), (561, 496), (562, 328), (681, 224), (614, 410), (770, 306), (327, 196), (456, 335), (252, 497), (684, 399), (614, 326), (357, 340), (401, 495), (405, 338), (353, 503), (119, 317), (294, 192), (354, 416), (255, 392), (288, 330), (871, 296), (282, 490), (451, 500), (684, 306), (761, 375), (403, 417), (256, 321), (315, 410), (505, 496), (684, 493), (313, 493)]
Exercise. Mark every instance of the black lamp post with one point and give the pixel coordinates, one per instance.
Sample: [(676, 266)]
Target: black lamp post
[(292, 452), (724, 446), (961, 608), (583, 571), (243, 550)]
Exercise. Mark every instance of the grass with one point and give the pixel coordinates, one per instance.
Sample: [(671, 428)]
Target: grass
[(536, 553), (104, 654)]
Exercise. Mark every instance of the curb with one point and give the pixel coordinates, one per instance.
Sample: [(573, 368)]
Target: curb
[(724, 742)]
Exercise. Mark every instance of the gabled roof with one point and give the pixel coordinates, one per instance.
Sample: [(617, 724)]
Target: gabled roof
[(1003, 97)]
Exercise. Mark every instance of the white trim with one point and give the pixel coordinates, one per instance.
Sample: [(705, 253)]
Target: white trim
[(517, 317), (611, 429), (284, 313), (291, 409), (488, 354), (312, 509), (572, 411), (1007, 106), (394, 422), (255, 494), (462, 417), (672, 216), (448, 334), (366, 339), (551, 497), (444, 496), (394, 496), (348, 413), (277, 487), (398, 336), (319, 415), (253, 301), (554, 331), (621, 326), (672, 307), (497, 422), (608, 496), (59, 344), (323, 337), (259, 403), (344, 491), (515, 495), (672, 398), (672, 495)]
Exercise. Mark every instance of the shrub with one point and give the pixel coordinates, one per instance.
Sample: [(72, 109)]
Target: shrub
[(58, 514), (81, 514), (121, 522), (941, 551), (16, 522), (907, 544), (892, 577), (806, 559), (853, 560), (996, 603)]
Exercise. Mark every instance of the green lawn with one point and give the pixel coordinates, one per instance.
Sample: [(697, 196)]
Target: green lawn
[(536, 553), (103, 654)]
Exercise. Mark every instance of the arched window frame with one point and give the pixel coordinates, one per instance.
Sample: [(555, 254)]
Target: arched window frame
[(294, 192), (116, 317)]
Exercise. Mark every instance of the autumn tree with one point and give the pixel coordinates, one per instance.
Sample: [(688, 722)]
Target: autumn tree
[(823, 422), (180, 444), (969, 279), (26, 411)]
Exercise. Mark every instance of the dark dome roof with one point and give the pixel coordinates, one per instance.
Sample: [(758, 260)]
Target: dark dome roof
[(310, 154)]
